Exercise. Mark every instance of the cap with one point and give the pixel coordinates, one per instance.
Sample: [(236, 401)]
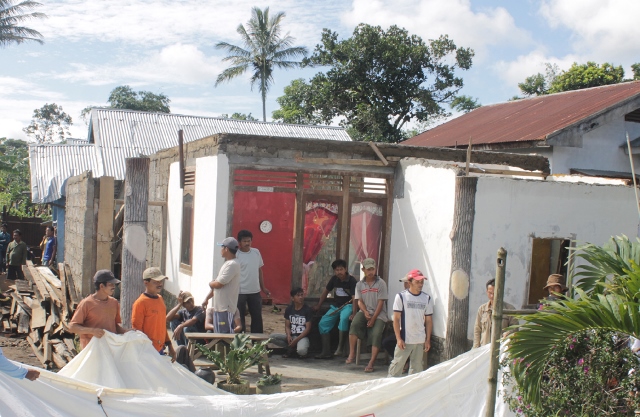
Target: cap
[(414, 274), (105, 276), (186, 296), (153, 273), (230, 243), (368, 263)]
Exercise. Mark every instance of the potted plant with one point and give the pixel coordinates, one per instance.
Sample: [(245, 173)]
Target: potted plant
[(242, 355), (269, 384)]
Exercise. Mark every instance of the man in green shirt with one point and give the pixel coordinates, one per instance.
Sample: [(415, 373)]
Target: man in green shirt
[(16, 256)]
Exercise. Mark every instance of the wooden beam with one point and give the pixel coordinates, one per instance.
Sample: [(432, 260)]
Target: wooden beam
[(38, 281), (508, 172), (71, 286), (378, 153), (149, 203), (36, 351), (105, 224), (334, 161)]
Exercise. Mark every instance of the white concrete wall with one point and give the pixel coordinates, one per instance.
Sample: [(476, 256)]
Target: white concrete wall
[(511, 212), (600, 149), (210, 225), (421, 224)]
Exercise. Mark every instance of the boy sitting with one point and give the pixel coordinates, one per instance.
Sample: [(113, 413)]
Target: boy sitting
[(298, 317)]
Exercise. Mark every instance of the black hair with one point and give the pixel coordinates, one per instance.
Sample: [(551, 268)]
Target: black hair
[(19, 232), (296, 290), (232, 250), (491, 283), (339, 263), (243, 234), (97, 285), (50, 227), (5, 225)]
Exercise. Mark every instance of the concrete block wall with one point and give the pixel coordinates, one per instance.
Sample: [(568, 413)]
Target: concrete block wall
[(80, 230)]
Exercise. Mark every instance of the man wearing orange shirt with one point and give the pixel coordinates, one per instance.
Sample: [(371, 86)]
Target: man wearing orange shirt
[(149, 312)]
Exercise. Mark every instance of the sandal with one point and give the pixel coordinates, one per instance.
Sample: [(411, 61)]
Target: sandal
[(369, 369), (349, 360)]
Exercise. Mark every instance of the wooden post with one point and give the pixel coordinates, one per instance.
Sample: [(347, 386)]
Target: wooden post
[(134, 249), (105, 224), (461, 238), (181, 156), (496, 331)]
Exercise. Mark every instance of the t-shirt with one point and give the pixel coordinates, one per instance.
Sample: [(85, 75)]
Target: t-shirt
[(149, 315), (231, 318), (298, 318), (370, 294), (344, 289), (250, 264), (100, 314), (226, 298), (197, 312), (415, 308), (48, 248), (17, 253)]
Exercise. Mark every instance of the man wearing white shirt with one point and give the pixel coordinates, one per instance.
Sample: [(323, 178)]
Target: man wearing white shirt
[(251, 282)]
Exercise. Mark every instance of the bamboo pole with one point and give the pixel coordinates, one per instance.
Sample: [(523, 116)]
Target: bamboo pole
[(496, 330)]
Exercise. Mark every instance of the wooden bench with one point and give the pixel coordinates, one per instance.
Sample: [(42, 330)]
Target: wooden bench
[(212, 339)]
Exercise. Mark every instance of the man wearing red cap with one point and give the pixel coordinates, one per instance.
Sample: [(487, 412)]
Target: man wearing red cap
[(99, 311), (412, 324)]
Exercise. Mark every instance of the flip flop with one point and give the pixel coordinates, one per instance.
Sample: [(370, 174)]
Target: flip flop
[(349, 360), (369, 369)]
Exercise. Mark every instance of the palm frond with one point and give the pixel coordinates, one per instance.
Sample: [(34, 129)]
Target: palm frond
[(231, 73)]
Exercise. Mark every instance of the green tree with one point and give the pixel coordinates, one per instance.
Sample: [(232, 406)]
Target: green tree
[(609, 300), (539, 84), (379, 80), (123, 97), (264, 49), (12, 16), (239, 116), (577, 77), (49, 124), (464, 103), (636, 71), (14, 176), (296, 105)]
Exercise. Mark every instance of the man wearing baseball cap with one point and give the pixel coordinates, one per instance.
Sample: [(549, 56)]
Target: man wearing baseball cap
[(412, 324), (185, 317), (149, 314), (226, 287), (99, 311)]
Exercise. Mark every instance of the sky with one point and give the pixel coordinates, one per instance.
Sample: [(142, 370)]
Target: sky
[(168, 46)]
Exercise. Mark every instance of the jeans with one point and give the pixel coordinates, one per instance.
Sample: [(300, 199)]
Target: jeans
[(328, 321), (182, 340), (280, 339), (255, 311)]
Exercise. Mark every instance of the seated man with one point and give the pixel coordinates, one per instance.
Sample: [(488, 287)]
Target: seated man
[(371, 295), (221, 322), (298, 319), (340, 312), (185, 317)]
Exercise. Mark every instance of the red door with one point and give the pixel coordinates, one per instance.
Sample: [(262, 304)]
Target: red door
[(251, 208)]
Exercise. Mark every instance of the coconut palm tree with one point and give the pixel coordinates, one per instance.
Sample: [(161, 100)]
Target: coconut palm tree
[(12, 15), (608, 298), (264, 49)]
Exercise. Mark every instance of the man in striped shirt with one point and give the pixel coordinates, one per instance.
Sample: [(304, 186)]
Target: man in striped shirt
[(412, 324)]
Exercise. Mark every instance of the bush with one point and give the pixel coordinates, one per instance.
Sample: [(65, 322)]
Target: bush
[(591, 374)]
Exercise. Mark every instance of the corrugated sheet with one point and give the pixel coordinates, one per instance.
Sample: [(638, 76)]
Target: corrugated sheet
[(528, 119), (52, 165), (121, 134)]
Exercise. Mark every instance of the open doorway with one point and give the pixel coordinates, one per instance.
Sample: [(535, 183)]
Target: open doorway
[(548, 256)]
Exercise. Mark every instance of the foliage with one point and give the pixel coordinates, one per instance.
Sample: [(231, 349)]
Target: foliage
[(242, 354), (49, 124), (636, 71), (297, 105), (265, 49), (123, 97), (539, 84), (588, 374), (239, 116), (611, 303), (379, 80), (15, 192), (464, 104), (266, 380), (12, 16)]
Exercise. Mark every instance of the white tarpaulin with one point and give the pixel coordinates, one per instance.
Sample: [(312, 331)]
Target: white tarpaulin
[(454, 388)]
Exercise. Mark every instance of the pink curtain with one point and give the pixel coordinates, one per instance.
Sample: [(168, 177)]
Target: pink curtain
[(319, 220), (366, 228)]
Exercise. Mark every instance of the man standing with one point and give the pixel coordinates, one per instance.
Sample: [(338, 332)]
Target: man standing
[(49, 247), (482, 327), (99, 311), (5, 238), (15, 371), (16, 256), (251, 282), (371, 296), (225, 288), (149, 314), (185, 317), (341, 311), (412, 324)]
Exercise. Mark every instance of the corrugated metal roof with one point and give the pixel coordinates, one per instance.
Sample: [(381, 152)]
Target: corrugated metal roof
[(52, 165), (120, 134), (528, 119)]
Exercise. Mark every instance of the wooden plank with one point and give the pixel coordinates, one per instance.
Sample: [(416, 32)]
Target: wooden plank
[(151, 203), (58, 360), (23, 321), (35, 336), (21, 303), (37, 351), (39, 281), (23, 285), (335, 161), (46, 348), (70, 345), (65, 292), (72, 286), (34, 288), (38, 316), (46, 273), (49, 324), (511, 172), (378, 153), (6, 326), (105, 224), (54, 293)]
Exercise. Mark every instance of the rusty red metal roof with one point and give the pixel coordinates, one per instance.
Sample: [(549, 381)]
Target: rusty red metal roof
[(530, 119)]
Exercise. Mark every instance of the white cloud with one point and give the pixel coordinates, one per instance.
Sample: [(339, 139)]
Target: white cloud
[(431, 18), (515, 71), (601, 30)]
